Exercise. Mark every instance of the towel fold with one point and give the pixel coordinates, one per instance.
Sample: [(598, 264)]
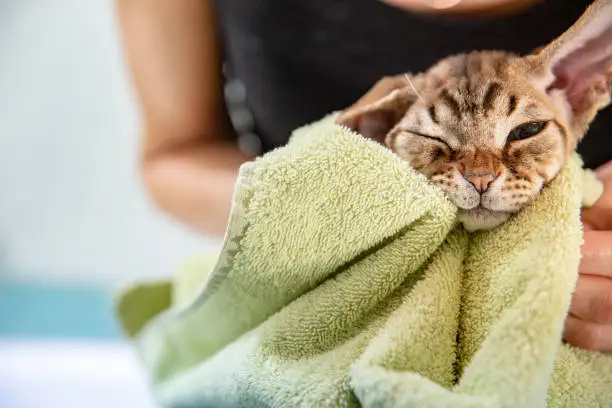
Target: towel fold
[(346, 281)]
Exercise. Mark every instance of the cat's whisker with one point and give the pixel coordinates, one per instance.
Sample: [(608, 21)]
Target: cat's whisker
[(416, 91)]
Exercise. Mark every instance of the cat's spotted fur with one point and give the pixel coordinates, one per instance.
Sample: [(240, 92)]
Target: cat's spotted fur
[(492, 128)]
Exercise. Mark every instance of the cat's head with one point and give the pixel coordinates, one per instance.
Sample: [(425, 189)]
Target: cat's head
[(492, 128)]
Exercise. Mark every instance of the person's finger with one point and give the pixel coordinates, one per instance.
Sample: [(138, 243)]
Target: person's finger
[(592, 299), (597, 253), (604, 172), (587, 335), (599, 216)]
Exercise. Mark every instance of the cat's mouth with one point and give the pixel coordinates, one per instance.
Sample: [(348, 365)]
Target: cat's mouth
[(481, 218), (480, 211)]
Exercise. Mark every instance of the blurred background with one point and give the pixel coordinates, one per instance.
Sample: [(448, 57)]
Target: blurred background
[(75, 224)]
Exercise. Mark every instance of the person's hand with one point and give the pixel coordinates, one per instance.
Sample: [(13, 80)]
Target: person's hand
[(589, 324)]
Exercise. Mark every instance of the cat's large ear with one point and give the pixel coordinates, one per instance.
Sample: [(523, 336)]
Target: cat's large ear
[(374, 120), (575, 69)]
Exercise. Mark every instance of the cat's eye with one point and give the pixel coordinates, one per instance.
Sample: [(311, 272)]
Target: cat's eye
[(526, 130), (432, 138)]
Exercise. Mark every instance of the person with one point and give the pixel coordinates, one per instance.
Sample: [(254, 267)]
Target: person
[(299, 60)]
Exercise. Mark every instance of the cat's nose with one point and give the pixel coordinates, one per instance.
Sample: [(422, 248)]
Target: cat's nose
[(480, 182)]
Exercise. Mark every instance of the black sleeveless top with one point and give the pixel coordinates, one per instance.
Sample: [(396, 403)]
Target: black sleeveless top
[(299, 60)]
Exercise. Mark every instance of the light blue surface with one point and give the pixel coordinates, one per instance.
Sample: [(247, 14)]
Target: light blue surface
[(56, 311), (60, 347)]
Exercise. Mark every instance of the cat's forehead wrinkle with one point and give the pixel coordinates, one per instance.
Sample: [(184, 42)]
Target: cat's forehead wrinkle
[(472, 101), (512, 104), (469, 84), (472, 87), (433, 114), (491, 95), (475, 100), (452, 102)]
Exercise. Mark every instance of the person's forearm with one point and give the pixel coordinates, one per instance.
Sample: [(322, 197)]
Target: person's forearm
[(195, 183)]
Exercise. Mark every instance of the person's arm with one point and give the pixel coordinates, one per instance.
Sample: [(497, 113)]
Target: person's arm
[(188, 167)]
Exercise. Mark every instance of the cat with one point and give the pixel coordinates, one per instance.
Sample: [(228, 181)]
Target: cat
[(492, 128)]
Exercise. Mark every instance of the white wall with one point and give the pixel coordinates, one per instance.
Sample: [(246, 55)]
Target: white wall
[(71, 203)]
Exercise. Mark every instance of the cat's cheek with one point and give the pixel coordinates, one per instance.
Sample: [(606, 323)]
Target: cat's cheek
[(449, 182), (515, 161), (493, 199), (551, 164), (549, 171), (539, 159), (411, 151), (510, 199), (502, 194), (463, 194), (502, 203)]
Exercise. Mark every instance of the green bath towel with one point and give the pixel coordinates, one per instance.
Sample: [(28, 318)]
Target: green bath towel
[(345, 281)]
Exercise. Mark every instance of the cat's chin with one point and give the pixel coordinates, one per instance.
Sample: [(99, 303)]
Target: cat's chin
[(480, 218)]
